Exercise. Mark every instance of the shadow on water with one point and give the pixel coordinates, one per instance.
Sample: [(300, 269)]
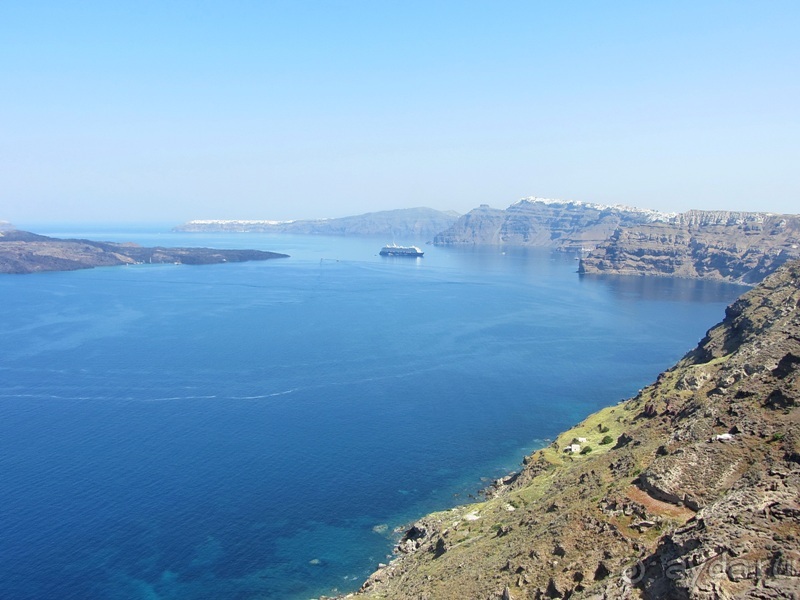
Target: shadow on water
[(501, 259), (627, 288)]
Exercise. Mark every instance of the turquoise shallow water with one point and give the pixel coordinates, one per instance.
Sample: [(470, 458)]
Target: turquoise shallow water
[(248, 431)]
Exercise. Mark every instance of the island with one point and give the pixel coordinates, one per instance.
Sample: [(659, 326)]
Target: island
[(25, 252)]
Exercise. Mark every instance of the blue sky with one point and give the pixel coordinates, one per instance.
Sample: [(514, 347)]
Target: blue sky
[(168, 111)]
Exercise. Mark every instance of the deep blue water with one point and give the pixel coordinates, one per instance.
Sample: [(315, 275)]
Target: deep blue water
[(238, 431)]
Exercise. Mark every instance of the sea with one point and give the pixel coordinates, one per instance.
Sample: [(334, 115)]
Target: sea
[(266, 430)]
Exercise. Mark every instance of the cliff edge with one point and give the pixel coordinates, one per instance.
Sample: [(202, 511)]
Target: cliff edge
[(560, 224), (688, 490)]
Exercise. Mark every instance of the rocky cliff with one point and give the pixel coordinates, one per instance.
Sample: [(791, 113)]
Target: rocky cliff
[(688, 490), (731, 246), (561, 224), (742, 247), (25, 252), (407, 223)]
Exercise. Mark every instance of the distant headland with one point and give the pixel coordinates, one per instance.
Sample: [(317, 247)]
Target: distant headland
[(26, 252), (404, 223)]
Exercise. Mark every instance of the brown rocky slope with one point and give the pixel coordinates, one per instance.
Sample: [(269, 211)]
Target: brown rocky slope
[(690, 489)]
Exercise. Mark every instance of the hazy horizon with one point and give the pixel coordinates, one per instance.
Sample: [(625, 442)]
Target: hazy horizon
[(150, 112), (99, 224)]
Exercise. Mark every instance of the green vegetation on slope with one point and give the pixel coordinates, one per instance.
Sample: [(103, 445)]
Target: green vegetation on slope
[(695, 498)]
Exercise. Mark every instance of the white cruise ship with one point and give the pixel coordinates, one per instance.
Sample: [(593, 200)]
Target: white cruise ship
[(395, 250)]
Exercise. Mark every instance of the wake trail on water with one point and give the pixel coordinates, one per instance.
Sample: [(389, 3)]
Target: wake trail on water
[(353, 382)]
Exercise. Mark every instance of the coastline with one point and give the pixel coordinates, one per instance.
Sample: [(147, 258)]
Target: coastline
[(672, 476)]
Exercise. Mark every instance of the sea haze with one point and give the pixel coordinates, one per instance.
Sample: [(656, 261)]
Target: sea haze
[(258, 430)]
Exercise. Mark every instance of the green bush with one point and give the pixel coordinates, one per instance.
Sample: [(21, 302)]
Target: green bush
[(586, 450), (606, 440), (603, 428)]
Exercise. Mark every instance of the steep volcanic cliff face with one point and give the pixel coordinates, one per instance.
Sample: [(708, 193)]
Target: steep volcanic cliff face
[(730, 246), (541, 222), (742, 247), (481, 225), (689, 490)]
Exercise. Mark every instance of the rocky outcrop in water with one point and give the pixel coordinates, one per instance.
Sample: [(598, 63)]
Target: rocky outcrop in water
[(25, 252), (407, 223), (688, 490)]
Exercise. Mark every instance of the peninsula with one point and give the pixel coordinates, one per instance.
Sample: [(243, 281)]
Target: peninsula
[(410, 223), (25, 252), (689, 490)]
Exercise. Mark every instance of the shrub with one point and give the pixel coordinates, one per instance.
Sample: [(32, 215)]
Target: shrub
[(586, 450), (603, 428), (606, 440)]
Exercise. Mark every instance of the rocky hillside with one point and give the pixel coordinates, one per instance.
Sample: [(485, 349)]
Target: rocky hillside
[(405, 224), (561, 224), (731, 246), (25, 252), (688, 490)]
